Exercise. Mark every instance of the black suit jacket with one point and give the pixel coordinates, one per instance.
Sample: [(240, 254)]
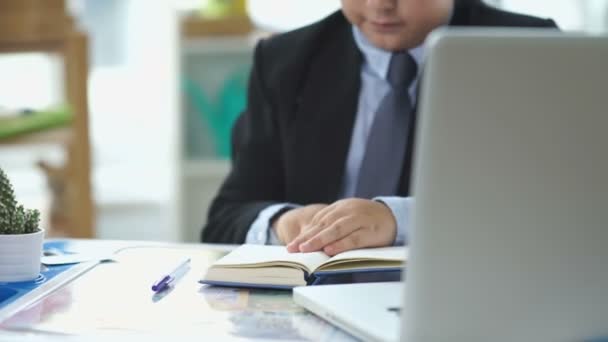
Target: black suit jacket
[(292, 141)]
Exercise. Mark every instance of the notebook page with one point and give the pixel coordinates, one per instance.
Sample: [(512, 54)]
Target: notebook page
[(260, 255), (384, 253)]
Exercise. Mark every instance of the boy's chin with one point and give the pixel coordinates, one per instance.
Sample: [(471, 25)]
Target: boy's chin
[(393, 44)]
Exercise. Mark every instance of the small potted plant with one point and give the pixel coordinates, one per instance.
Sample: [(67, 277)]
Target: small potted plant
[(20, 237)]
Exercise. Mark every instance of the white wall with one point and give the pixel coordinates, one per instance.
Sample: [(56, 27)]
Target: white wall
[(571, 15), (133, 121)]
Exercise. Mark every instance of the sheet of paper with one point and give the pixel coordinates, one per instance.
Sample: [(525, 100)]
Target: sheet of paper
[(66, 259)]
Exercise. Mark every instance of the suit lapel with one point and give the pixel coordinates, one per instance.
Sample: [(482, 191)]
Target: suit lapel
[(464, 12), (324, 119)]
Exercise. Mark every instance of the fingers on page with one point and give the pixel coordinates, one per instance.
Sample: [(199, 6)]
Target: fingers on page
[(336, 231), (355, 240)]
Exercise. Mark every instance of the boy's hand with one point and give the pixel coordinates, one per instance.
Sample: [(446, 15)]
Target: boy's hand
[(290, 224), (345, 225)]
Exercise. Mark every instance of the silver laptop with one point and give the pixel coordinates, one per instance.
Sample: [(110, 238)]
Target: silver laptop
[(509, 239)]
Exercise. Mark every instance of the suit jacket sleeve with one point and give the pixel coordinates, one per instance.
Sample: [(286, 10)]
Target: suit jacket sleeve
[(256, 179)]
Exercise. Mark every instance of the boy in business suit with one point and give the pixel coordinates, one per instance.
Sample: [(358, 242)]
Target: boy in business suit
[(322, 153)]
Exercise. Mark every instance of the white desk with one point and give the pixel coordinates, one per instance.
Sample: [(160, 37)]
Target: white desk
[(114, 300)]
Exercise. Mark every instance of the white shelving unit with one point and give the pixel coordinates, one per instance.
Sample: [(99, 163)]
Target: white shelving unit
[(199, 183), (206, 60)]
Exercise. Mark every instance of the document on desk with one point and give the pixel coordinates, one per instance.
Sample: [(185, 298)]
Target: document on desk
[(67, 259), (274, 267)]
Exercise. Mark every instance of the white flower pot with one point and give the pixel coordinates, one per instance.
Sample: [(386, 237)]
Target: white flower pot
[(20, 256)]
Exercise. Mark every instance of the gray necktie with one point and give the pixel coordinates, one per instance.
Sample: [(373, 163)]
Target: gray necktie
[(380, 170)]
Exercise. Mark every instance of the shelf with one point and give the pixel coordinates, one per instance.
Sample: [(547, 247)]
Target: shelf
[(46, 26), (42, 24), (242, 45), (32, 5), (61, 135), (196, 27), (205, 168), (46, 45)]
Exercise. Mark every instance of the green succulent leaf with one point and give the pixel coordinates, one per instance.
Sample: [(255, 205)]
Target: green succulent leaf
[(14, 218)]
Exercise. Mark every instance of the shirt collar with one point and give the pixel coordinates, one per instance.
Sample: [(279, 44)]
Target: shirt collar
[(378, 59)]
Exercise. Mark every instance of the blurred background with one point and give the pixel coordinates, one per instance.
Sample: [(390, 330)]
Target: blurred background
[(115, 115)]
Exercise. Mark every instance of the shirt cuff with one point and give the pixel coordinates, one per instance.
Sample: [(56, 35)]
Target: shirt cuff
[(260, 232), (400, 207)]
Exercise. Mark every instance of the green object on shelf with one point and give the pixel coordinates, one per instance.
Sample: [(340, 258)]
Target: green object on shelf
[(217, 9), (220, 116), (22, 123)]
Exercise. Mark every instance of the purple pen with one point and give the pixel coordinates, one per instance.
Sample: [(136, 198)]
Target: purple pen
[(166, 280)]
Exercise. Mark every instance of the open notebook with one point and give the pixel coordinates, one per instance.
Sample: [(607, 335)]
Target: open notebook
[(274, 267)]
